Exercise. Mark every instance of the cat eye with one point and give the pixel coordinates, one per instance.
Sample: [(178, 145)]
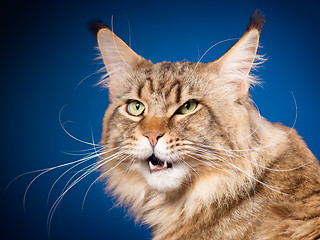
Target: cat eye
[(135, 108), (188, 107)]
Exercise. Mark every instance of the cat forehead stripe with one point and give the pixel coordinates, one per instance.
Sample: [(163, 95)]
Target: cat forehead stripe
[(176, 86)]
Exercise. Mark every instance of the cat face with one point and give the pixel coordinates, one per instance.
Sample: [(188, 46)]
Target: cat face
[(170, 125), (157, 118)]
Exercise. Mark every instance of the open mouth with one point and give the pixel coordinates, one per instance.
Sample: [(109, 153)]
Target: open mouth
[(155, 164)]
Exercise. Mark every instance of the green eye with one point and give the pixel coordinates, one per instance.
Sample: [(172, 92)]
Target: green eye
[(188, 107), (135, 108)]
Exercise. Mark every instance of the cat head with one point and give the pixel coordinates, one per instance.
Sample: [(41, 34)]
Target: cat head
[(169, 125)]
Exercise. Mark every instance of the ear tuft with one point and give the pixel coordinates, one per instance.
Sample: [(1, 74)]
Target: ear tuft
[(235, 66), (96, 26), (257, 21)]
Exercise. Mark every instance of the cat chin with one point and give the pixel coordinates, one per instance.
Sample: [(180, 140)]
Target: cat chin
[(166, 180)]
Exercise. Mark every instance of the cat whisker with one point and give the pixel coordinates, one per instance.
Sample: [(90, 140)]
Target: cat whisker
[(117, 49), (104, 78), (40, 170), (195, 158), (44, 171), (233, 174), (199, 60), (97, 72), (262, 147), (111, 157), (177, 157), (254, 131), (192, 155), (129, 30), (214, 156), (89, 157), (101, 176), (188, 165), (264, 167), (232, 153), (273, 188), (214, 45), (24, 174), (252, 186), (283, 137), (70, 135), (132, 162), (94, 167), (84, 151), (68, 170), (190, 179)]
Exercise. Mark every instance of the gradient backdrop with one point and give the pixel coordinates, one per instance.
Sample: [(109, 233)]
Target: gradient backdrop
[(47, 50)]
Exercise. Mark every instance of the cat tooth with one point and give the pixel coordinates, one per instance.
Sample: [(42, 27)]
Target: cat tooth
[(151, 166), (165, 165)]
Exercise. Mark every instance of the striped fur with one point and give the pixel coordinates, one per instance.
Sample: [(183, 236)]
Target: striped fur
[(232, 174)]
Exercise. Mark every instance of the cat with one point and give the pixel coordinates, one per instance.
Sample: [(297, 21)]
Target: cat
[(190, 156)]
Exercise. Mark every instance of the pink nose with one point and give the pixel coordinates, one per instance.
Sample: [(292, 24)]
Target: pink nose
[(153, 137)]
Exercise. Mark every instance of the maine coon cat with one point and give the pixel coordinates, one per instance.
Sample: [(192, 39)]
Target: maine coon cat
[(190, 155)]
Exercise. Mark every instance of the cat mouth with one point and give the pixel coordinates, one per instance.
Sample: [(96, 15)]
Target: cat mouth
[(156, 165)]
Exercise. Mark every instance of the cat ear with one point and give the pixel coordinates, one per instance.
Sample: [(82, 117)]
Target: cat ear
[(117, 56), (234, 66)]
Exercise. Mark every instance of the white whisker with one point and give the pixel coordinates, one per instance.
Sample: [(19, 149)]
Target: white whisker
[(93, 164), (89, 157), (70, 135), (132, 162), (101, 176), (274, 188), (43, 171), (282, 138), (234, 154), (226, 40), (86, 78), (248, 175), (224, 170), (94, 167)]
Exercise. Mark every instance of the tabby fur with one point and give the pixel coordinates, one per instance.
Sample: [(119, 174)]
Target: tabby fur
[(233, 174)]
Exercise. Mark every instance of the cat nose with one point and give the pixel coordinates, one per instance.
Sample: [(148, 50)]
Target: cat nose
[(153, 137)]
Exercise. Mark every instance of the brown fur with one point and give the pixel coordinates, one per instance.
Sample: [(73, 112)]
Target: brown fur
[(234, 174)]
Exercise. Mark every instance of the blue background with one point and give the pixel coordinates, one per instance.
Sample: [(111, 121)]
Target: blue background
[(47, 50)]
